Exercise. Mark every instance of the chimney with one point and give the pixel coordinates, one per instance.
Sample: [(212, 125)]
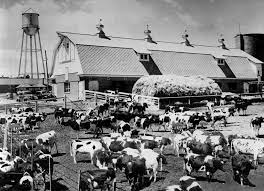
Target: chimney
[(221, 41), (185, 37), (148, 38), (101, 33)]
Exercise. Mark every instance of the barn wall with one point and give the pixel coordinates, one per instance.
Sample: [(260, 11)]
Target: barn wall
[(123, 84), (232, 85), (58, 87)]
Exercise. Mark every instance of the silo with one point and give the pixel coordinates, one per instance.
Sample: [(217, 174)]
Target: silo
[(252, 43)]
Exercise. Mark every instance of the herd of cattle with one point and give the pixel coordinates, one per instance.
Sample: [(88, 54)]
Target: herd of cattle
[(126, 150)]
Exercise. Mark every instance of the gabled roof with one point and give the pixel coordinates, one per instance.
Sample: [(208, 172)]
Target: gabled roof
[(110, 61), (118, 56)]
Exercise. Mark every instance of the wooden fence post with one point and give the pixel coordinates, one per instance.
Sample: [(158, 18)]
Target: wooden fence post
[(5, 109), (79, 180), (50, 177), (36, 106), (189, 101), (65, 101), (11, 141), (32, 156), (5, 136), (95, 98)]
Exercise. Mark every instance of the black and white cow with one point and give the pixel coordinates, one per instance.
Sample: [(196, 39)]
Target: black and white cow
[(84, 146), (241, 165), (256, 124), (209, 164), (60, 113)]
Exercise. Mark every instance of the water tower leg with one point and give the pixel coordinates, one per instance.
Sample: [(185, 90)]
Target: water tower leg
[(31, 57), (42, 56), (25, 65), (20, 59), (36, 52)]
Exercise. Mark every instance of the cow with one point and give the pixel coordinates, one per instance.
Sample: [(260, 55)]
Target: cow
[(256, 124), (84, 146), (60, 113), (151, 162), (248, 146), (99, 178), (180, 141), (135, 168), (241, 166), (43, 163), (5, 155), (47, 140), (200, 148), (26, 182), (241, 104), (101, 159), (209, 164)]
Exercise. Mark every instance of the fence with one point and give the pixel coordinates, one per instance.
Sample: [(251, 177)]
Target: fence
[(189, 100), (95, 96)]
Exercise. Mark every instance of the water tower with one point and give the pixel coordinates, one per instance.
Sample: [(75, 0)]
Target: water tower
[(30, 67)]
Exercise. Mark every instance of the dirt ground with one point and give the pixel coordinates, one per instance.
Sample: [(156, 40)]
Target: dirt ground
[(66, 172)]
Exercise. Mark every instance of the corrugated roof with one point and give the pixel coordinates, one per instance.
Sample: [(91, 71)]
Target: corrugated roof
[(185, 64), (241, 67), (142, 46), (99, 60)]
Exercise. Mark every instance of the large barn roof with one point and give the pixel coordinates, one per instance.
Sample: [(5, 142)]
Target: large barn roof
[(110, 61), (119, 56)]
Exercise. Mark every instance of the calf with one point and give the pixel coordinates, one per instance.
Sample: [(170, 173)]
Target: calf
[(256, 124), (84, 146), (195, 162), (241, 166)]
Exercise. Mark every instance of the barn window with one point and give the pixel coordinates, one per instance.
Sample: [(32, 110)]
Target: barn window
[(67, 87), (221, 61), (143, 57)]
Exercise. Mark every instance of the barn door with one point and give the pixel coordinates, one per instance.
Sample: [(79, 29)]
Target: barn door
[(94, 85)]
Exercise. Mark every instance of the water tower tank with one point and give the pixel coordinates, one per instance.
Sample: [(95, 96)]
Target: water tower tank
[(30, 23)]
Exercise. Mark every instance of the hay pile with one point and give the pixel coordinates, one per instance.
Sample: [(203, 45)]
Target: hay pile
[(173, 86)]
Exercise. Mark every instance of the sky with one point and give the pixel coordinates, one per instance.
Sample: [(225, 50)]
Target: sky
[(204, 21)]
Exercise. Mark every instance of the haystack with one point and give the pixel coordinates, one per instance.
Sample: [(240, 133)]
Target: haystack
[(174, 86)]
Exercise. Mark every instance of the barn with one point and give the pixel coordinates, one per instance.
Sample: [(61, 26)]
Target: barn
[(99, 62)]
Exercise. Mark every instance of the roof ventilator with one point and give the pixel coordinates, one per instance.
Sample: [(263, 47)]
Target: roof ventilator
[(222, 44), (101, 33), (185, 37), (148, 38)]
